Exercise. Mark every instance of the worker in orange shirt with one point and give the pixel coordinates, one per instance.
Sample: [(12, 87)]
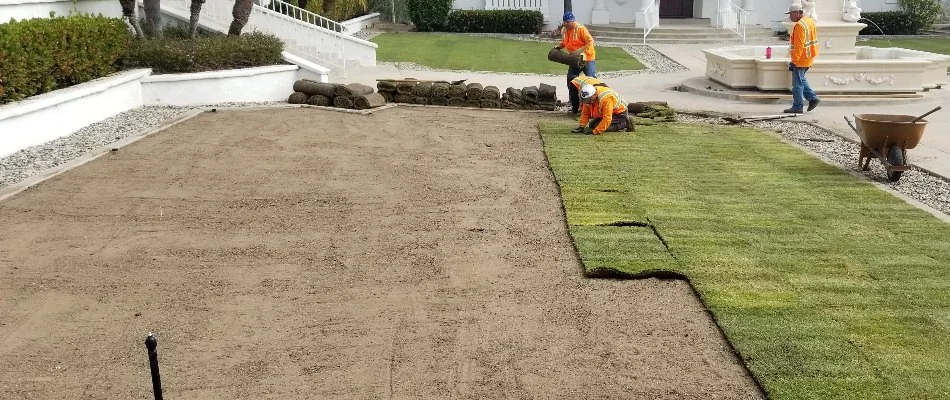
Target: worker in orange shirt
[(603, 110), (803, 50), (577, 40)]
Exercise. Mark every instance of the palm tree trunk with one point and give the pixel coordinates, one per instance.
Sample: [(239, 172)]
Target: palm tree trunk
[(241, 13), (195, 14), (153, 17), (128, 12), (567, 6)]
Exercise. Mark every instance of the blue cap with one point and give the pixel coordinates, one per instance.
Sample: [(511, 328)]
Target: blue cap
[(568, 16)]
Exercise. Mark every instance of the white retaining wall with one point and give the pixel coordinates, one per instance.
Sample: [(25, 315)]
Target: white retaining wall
[(49, 116), (269, 83), (357, 24)]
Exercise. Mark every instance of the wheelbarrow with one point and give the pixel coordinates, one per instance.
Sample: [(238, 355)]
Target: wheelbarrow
[(888, 137)]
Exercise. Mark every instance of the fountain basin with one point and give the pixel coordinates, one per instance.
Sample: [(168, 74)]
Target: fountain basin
[(870, 70)]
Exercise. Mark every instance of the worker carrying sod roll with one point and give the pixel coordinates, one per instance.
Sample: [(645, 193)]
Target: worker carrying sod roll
[(576, 40)]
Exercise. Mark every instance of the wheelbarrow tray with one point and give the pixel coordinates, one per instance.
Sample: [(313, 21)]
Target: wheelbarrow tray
[(878, 131)]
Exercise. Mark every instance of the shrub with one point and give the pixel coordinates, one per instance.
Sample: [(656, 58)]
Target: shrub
[(429, 15), (341, 10), (44, 54), (923, 13), (170, 55), (891, 22), (495, 21)]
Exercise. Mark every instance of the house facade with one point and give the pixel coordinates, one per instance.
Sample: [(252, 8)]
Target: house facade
[(765, 13)]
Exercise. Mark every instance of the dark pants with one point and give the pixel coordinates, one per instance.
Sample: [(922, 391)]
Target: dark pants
[(573, 72), (618, 123)]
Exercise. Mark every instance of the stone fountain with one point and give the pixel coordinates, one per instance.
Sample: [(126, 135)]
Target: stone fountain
[(841, 67)]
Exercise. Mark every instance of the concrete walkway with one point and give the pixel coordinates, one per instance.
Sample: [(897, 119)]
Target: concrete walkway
[(933, 153)]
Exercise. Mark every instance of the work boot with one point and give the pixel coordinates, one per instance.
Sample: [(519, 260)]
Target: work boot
[(812, 104), (793, 111), (630, 125)]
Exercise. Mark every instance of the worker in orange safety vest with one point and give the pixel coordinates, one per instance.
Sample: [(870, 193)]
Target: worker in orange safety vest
[(602, 110), (577, 39), (803, 49)]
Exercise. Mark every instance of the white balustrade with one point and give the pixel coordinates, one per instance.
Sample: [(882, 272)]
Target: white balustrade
[(536, 5), (732, 17)]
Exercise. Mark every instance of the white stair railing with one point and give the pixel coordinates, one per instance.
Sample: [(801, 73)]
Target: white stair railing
[(304, 33), (300, 14), (514, 4), (651, 18), (732, 17)]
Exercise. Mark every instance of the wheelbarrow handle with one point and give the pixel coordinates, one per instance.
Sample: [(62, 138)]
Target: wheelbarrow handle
[(928, 113), (850, 124)]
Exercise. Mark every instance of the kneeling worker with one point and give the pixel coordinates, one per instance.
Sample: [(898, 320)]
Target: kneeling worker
[(602, 110)]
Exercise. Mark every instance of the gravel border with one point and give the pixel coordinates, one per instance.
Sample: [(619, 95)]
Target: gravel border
[(918, 184)]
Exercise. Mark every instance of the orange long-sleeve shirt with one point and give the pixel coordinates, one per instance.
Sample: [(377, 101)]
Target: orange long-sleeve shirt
[(804, 43), (575, 38), (606, 103)]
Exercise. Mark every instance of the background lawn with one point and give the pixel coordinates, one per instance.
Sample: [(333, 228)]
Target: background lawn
[(828, 287), (933, 45), (471, 53)]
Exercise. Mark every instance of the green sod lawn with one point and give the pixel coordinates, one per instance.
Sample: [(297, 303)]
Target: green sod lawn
[(933, 45), (827, 286), (472, 53)]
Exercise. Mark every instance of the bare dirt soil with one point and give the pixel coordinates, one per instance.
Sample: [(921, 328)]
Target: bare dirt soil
[(309, 254)]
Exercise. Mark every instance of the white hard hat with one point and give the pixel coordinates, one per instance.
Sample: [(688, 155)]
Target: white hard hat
[(587, 91)]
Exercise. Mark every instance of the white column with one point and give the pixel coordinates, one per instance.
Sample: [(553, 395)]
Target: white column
[(599, 14)]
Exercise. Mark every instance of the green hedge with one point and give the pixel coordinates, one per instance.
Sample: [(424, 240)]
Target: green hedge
[(171, 55), (923, 13), (891, 22), (44, 54), (429, 15), (495, 21)]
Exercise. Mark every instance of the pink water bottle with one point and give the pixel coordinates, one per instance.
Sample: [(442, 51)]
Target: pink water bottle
[(768, 53)]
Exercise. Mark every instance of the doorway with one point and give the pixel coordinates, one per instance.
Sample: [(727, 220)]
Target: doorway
[(676, 8)]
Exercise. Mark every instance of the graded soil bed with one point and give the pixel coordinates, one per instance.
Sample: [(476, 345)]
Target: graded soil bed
[(304, 254)]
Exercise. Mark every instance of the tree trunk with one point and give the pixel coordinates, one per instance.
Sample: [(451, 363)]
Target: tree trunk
[(241, 13), (195, 14), (567, 6), (153, 17), (128, 12)]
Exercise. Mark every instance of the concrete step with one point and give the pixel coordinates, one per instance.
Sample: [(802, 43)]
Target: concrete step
[(717, 35), (685, 21), (652, 40), (677, 31), (661, 28), (674, 34)]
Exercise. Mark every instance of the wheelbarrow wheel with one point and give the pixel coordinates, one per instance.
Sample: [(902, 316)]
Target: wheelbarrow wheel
[(895, 156)]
